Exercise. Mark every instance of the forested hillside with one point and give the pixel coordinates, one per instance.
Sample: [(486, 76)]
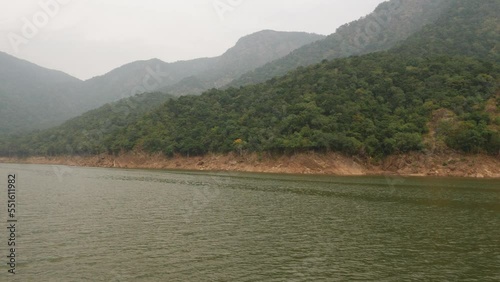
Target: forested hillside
[(470, 28), (375, 105)]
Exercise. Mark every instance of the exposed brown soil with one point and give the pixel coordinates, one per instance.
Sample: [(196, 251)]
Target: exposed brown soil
[(415, 164)]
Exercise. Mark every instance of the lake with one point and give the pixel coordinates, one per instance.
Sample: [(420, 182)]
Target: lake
[(78, 224)]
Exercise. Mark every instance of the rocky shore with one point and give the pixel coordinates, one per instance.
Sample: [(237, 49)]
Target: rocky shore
[(415, 164)]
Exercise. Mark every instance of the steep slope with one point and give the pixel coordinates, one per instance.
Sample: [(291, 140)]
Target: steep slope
[(389, 24), (33, 97), (467, 28)]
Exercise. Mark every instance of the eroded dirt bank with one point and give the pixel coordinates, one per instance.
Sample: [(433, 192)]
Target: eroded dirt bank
[(417, 164)]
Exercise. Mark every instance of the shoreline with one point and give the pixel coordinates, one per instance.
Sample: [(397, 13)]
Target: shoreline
[(448, 164)]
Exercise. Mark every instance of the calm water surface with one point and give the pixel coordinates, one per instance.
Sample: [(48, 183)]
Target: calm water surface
[(84, 224)]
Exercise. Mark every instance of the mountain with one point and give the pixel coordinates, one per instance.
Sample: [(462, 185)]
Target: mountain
[(390, 23), (249, 53), (37, 98), (32, 96), (374, 105), (194, 76), (136, 78)]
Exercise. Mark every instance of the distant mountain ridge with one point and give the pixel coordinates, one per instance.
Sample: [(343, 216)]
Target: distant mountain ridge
[(33, 97), (175, 78), (249, 53), (26, 89)]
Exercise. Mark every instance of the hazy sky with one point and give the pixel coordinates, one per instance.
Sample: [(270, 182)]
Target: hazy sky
[(86, 38)]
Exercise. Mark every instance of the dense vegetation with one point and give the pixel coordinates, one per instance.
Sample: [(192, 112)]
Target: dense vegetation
[(372, 105)]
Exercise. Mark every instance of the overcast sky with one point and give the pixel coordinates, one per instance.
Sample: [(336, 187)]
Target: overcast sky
[(86, 38)]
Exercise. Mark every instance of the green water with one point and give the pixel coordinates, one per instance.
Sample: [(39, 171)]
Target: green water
[(83, 224)]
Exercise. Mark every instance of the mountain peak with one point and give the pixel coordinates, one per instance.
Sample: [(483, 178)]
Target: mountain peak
[(249, 53), (271, 36), (268, 44)]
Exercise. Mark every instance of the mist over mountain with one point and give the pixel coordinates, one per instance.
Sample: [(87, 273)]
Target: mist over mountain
[(36, 98), (194, 76), (32, 96)]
